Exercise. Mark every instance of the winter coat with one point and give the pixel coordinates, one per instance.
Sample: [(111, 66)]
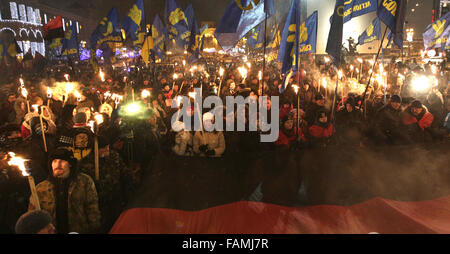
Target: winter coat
[(183, 144), (214, 140), (83, 211), (286, 139), (311, 113), (417, 127), (320, 134), (387, 126)]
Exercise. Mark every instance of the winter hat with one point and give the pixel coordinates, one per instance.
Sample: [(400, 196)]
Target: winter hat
[(80, 118), (416, 104), (351, 101), (32, 222), (63, 154), (102, 141), (319, 97), (396, 98), (321, 114), (178, 126)]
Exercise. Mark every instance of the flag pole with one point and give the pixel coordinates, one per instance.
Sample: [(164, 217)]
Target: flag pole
[(373, 67), (264, 56), (297, 60)]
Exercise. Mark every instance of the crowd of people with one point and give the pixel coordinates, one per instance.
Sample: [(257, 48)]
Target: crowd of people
[(312, 115)]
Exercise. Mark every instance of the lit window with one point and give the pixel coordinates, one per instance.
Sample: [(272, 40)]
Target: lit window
[(22, 13), (37, 16), (13, 8), (30, 14)]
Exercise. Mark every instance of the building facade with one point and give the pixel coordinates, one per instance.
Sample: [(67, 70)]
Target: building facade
[(26, 20)]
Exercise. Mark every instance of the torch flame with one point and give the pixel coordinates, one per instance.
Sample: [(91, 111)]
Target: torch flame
[(98, 118), (221, 71), (192, 95), (175, 76), (49, 92), (21, 82), (18, 162), (24, 92), (78, 95), (260, 75), (66, 76), (351, 67), (107, 95), (145, 94), (102, 76), (324, 82), (295, 88), (243, 72), (340, 74), (184, 62), (360, 60), (35, 107)]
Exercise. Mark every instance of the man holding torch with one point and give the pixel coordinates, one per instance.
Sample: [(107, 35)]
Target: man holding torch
[(69, 196)]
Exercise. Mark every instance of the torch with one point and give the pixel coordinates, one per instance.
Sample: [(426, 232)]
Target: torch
[(360, 67), (20, 163), (25, 94), (78, 96), (66, 76), (324, 84), (260, 81), (352, 68), (243, 73), (102, 76), (98, 120), (221, 72), (175, 77), (144, 95), (41, 115), (49, 96)]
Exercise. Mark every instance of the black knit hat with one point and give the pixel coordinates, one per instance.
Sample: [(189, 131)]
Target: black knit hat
[(351, 101), (63, 154), (416, 104), (396, 98), (319, 97), (32, 222)]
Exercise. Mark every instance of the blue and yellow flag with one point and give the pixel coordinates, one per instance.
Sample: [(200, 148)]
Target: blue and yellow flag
[(393, 13), (197, 37), (334, 44), (288, 53), (93, 61), (372, 33), (55, 43), (11, 49), (177, 23), (70, 42), (191, 23), (134, 20), (107, 31), (437, 34), (159, 35), (308, 35), (256, 39), (239, 18), (356, 8)]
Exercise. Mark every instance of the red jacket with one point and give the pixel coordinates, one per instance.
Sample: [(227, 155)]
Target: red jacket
[(424, 122), (321, 132), (284, 140)]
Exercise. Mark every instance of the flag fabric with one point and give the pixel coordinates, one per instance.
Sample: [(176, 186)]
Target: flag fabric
[(159, 35), (393, 13), (191, 24), (334, 44), (372, 33), (256, 39), (356, 8), (436, 34), (308, 34), (107, 31), (133, 21), (70, 42), (198, 42), (93, 61), (288, 53), (239, 18), (142, 34), (55, 43), (54, 29), (12, 49), (177, 23), (146, 47)]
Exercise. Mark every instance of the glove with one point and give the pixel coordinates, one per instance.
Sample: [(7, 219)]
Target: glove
[(203, 148), (210, 153)]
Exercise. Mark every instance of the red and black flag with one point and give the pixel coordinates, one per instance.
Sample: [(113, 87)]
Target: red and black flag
[(395, 190), (54, 29)]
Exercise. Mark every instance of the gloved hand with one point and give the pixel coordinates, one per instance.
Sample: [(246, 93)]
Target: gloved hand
[(210, 153), (203, 148)]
